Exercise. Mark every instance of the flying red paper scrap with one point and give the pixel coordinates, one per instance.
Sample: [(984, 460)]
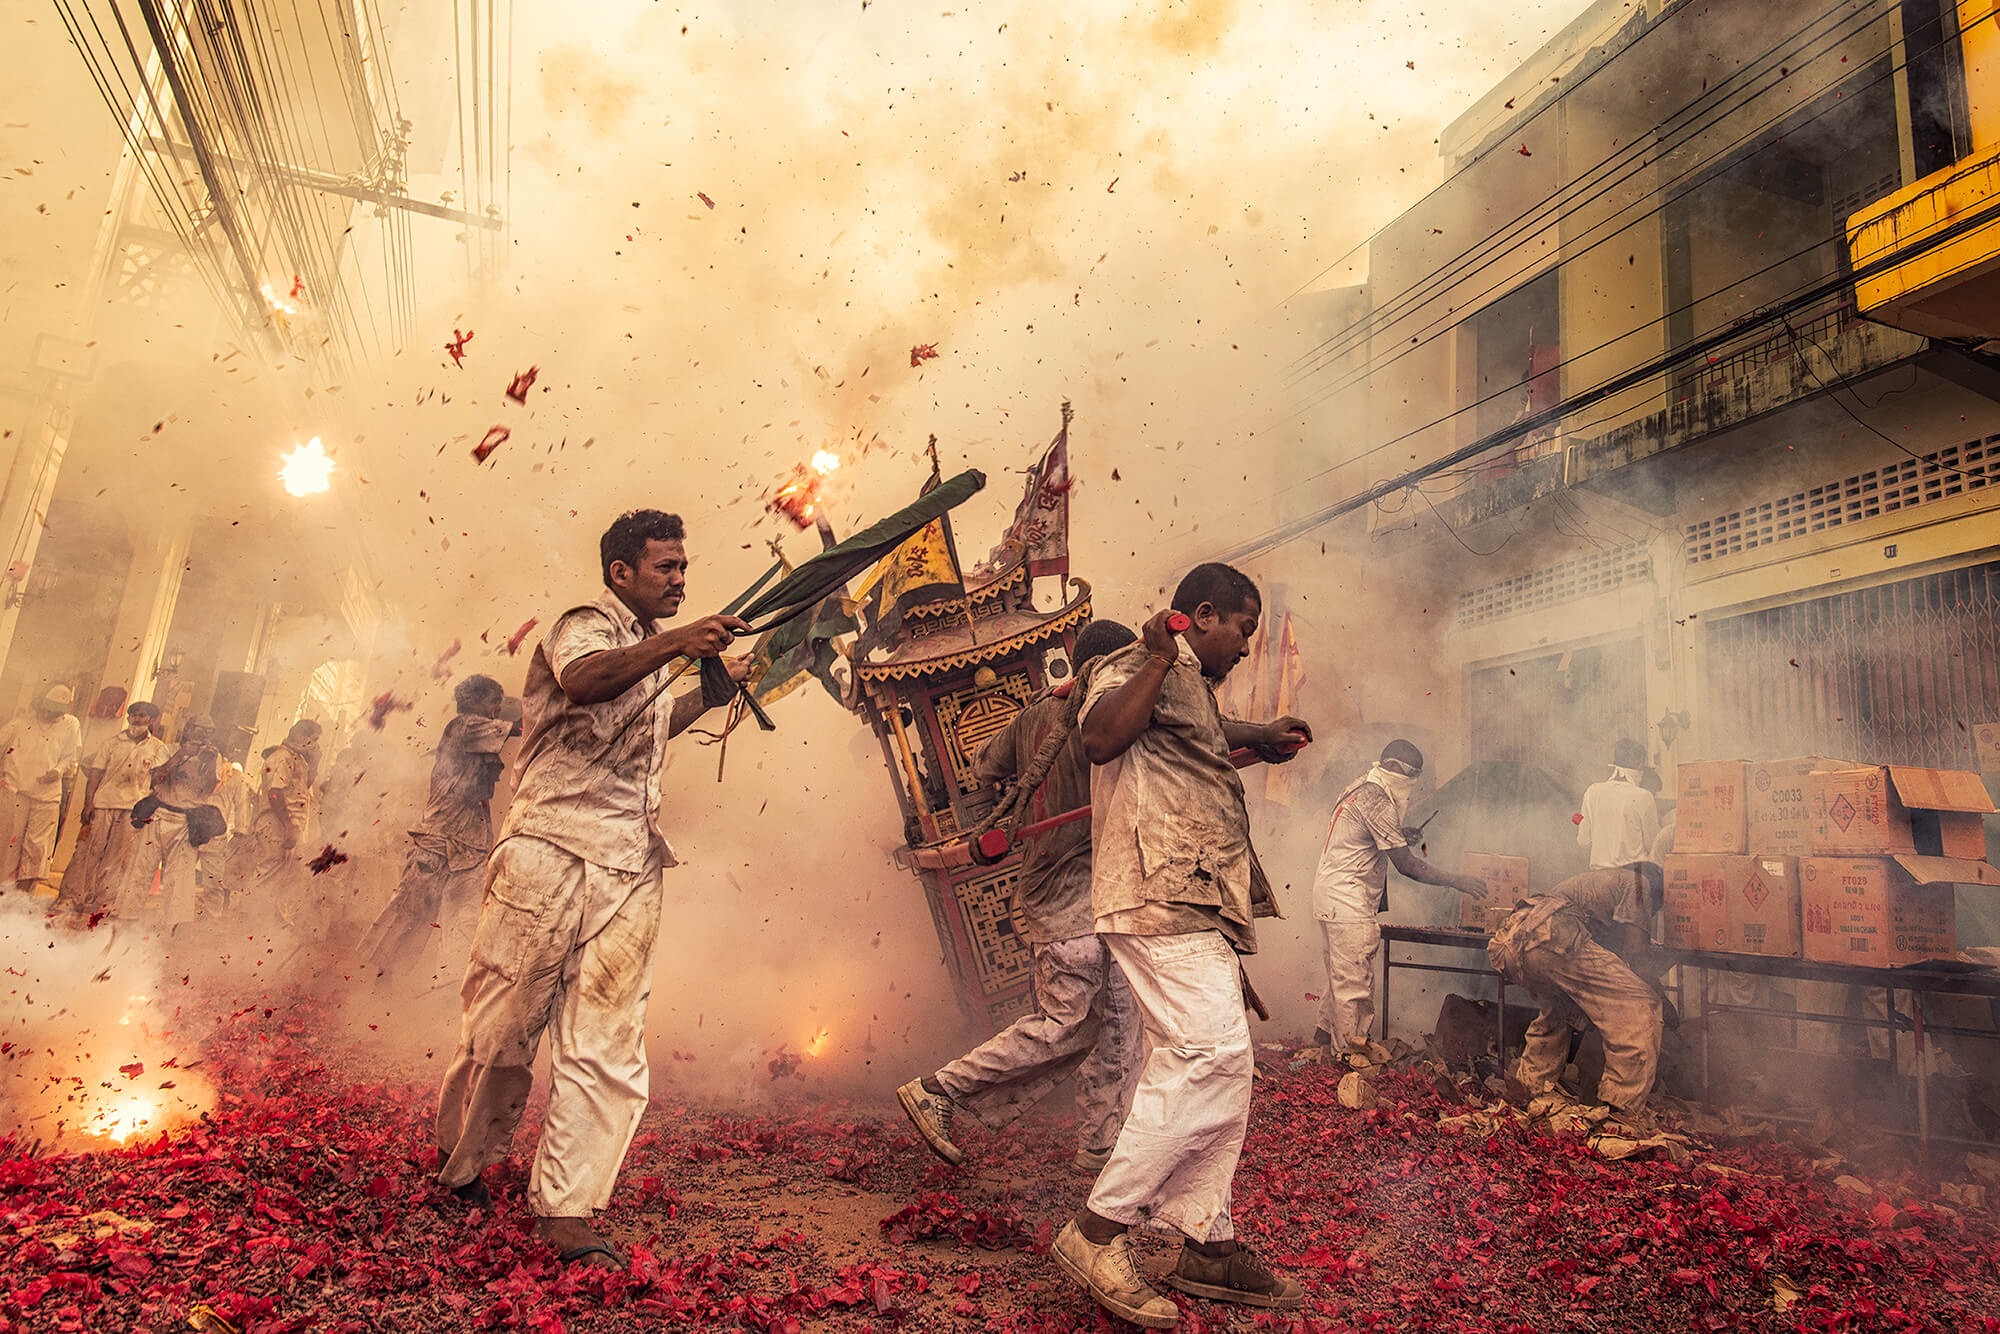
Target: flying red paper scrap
[(494, 439), (518, 387), (514, 640), (439, 669), (922, 353), (329, 857), (456, 347), (298, 287), (132, 1071), (384, 705), (704, 199)]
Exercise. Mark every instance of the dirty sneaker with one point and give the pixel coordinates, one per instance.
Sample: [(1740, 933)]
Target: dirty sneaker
[(931, 1113), (1236, 1277), (1110, 1274)]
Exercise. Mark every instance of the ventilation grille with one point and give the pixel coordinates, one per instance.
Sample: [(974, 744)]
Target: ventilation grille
[(1565, 581), (1947, 472)]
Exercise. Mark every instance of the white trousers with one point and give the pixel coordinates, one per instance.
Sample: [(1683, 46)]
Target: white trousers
[(1176, 1155), (563, 945), (1347, 1010)]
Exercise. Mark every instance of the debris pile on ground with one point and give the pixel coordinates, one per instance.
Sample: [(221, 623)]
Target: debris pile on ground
[(304, 1202)]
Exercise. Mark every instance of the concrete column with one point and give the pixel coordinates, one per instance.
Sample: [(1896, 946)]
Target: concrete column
[(43, 440), (146, 613)]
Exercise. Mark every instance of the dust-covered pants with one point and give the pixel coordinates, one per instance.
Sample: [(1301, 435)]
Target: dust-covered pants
[(1347, 1010), (432, 901), (565, 945), (1176, 1155), (97, 868), (1574, 972), (1085, 1021), (27, 835), (159, 846)]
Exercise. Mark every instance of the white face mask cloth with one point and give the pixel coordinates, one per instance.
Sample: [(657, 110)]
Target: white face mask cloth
[(1628, 775), (1398, 786)]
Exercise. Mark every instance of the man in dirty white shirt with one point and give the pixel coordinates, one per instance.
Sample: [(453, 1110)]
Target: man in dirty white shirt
[(1174, 888), (572, 909)]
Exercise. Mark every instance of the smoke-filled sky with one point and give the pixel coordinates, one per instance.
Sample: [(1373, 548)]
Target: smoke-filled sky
[(729, 226)]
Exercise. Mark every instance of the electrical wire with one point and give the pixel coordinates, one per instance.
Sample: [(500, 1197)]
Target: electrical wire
[(1665, 139), (1737, 329), (1454, 532), (1717, 164), (1802, 344)]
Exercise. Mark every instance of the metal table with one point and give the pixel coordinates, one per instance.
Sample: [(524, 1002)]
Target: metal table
[(1917, 981)]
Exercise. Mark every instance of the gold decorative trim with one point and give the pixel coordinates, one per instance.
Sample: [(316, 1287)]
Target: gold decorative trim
[(1067, 619)]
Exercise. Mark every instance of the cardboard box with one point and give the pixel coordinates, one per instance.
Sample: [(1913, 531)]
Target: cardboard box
[(1761, 906), (1506, 884), (1697, 892), (1884, 912), (1899, 809), (1778, 804), (1709, 815), (1986, 744)]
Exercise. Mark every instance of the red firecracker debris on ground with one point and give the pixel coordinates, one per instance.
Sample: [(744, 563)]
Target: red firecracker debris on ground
[(922, 353), (384, 705), (304, 1200), (456, 347), (518, 387), (514, 640), (495, 438)]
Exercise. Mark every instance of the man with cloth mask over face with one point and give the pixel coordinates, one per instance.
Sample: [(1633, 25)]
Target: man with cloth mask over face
[(1620, 816), (1364, 838)]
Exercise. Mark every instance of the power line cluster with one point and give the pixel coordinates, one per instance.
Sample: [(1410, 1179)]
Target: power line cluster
[(254, 124), (1755, 79)]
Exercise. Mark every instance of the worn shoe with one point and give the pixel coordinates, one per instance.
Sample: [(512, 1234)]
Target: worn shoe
[(473, 1194), (1236, 1277), (931, 1115), (1110, 1274), (1089, 1162)]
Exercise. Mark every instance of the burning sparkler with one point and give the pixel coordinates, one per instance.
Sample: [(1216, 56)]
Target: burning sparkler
[(816, 1045), (800, 497), (307, 470)]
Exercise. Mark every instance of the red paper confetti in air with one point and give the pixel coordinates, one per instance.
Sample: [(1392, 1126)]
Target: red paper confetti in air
[(329, 857), (704, 199), (134, 1070), (440, 669), (514, 640), (298, 286), (922, 353), (494, 439), (518, 387), (456, 347), (384, 705), (1523, 151)]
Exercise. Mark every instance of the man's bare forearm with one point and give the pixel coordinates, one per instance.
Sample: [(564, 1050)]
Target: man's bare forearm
[(1116, 720), (609, 673)]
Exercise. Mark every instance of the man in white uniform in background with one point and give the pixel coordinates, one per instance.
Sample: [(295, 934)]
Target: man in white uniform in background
[(36, 754), (117, 777), (1620, 817), (572, 910), (1351, 889)]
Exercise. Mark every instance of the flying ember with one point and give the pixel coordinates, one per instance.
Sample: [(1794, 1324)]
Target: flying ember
[(799, 498)]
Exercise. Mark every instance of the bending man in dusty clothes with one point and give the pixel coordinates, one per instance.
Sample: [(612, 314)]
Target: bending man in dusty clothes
[(1584, 947), (1084, 1020), (444, 872), (565, 937), (1174, 886)]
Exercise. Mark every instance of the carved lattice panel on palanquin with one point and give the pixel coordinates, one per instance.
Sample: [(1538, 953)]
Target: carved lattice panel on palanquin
[(999, 954), (970, 717)]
